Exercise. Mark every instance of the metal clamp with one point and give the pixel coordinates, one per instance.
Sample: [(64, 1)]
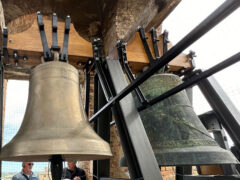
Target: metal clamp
[(4, 53), (97, 56), (184, 71), (64, 55), (123, 59), (154, 42), (47, 54), (54, 46), (145, 45)]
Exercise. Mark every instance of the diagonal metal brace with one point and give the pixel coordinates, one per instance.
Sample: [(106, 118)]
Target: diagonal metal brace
[(64, 55), (47, 54), (54, 46), (97, 56), (123, 59)]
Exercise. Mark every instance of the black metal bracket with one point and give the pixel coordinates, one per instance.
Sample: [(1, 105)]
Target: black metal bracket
[(211, 121), (88, 67), (54, 46), (184, 71), (5, 54), (97, 56), (64, 55), (47, 52), (123, 59), (143, 37), (154, 42), (16, 57), (165, 42), (4, 47)]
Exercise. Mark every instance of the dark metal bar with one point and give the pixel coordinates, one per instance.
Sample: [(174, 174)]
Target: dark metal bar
[(210, 177), (54, 46), (219, 14), (195, 79), (142, 157), (165, 41), (183, 170), (123, 59), (1, 108), (95, 108), (103, 130), (145, 44), (47, 54), (64, 55), (223, 107), (97, 44), (211, 122), (154, 42), (123, 134), (4, 46), (87, 91)]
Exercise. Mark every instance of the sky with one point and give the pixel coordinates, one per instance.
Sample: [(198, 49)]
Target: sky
[(220, 43), (215, 46)]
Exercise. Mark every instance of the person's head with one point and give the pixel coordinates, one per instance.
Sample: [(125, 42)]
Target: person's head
[(27, 167), (72, 165)]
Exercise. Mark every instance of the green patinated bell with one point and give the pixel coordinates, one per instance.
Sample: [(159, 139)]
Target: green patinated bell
[(175, 132)]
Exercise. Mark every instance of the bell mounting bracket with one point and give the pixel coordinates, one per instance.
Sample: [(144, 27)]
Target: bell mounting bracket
[(5, 56), (48, 54), (123, 60)]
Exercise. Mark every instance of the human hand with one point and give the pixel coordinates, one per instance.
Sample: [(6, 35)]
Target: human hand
[(77, 178)]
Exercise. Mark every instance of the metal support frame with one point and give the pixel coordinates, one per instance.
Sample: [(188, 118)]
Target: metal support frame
[(1, 107), (210, 177), (48, 55), (213, 19), (87, 70), (5, 55), (136, 146), (141, 153), (212, 124), (101, 168), (123, 59), (223, 107)]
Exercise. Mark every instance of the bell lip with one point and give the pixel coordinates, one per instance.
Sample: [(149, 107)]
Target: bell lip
[(194, 157), (198, 155), (66, 157)]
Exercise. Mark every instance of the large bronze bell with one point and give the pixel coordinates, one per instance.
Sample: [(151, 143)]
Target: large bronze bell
[(55, 122), (175, 132)]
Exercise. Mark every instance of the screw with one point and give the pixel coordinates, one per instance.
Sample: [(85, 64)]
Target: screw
[(25, 58)]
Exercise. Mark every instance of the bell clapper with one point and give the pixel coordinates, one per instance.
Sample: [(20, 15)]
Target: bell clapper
[(56, 167)]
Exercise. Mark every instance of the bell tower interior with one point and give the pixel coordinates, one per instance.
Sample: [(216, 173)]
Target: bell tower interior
[(108, 88)]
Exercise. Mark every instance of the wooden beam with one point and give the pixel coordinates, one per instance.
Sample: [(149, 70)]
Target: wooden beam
[(28, 43), (138, 58)]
